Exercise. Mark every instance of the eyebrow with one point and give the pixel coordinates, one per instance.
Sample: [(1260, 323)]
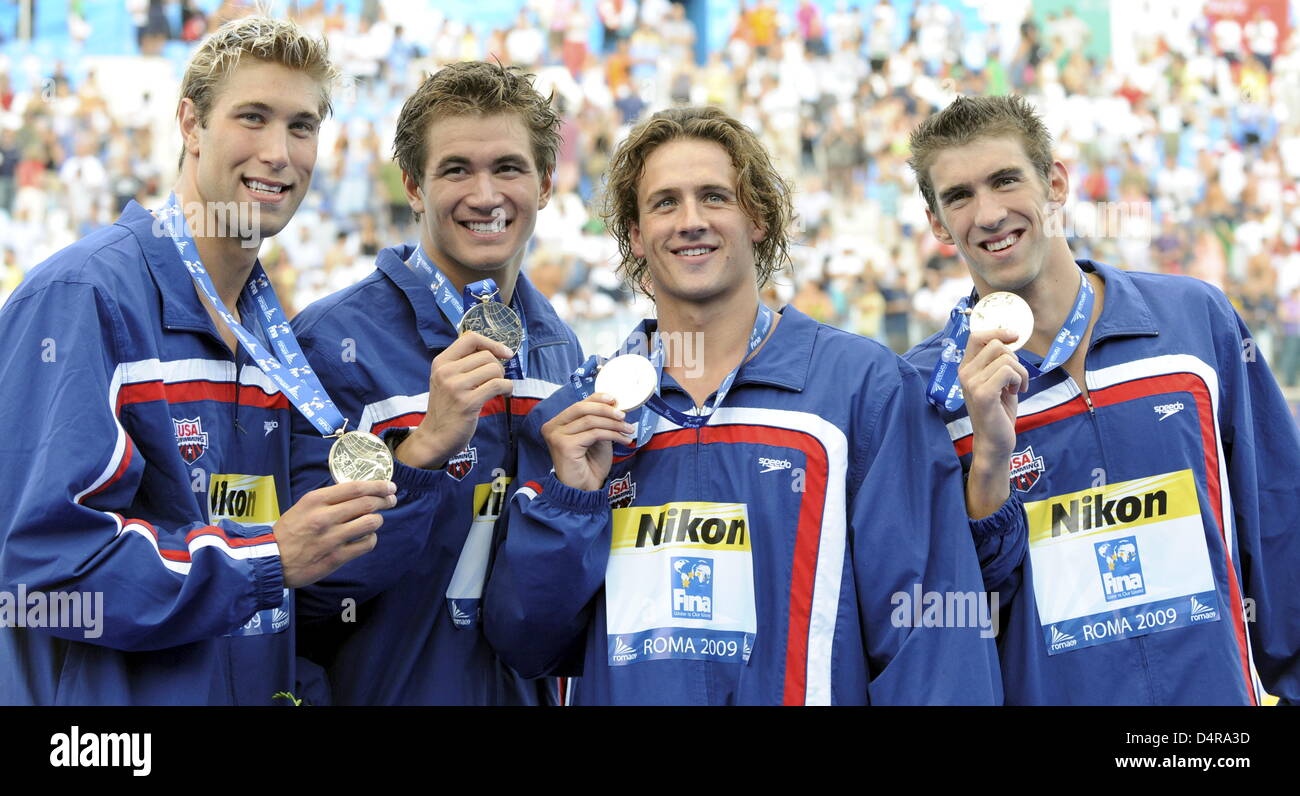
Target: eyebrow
[(461, 160), (270, 111), (673, 191), (951, 193)]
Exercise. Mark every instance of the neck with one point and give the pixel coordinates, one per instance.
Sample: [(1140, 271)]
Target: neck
[(504, 275), (226, 260), (705, 342), (1051, 296)]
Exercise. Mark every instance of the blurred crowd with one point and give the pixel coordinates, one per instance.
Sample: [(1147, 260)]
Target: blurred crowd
[(1184, 161)]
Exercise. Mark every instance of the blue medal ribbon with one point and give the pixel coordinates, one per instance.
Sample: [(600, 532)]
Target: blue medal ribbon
[(298, 382), (453, 306), (945, 392), (584, 380)]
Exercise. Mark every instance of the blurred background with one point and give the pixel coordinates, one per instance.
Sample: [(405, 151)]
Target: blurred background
[(1178, 120)]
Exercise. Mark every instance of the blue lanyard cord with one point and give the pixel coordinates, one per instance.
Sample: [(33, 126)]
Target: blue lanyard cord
[(297, 382), (944, 391), (453, 306), (584, 380)]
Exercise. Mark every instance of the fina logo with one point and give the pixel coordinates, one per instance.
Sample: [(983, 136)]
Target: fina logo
[(692, 587), (1120, 567)]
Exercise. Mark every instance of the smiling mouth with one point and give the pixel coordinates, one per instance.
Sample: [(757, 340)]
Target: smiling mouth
[(1002, 243), (695, 251), (486, 227), (269, 189)]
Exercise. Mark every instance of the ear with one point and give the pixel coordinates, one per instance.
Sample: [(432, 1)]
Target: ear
[(187, 118), (634, 236), (414, 196), (757, 231), (548, 183), (937, 227), (1058, 186)]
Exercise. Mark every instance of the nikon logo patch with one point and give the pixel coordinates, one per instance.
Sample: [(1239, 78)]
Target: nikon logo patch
[(249, 499), (1127, 504), (713, 526)]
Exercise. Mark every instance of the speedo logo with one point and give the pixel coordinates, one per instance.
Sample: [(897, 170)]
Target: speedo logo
[(1121, 505), (772, 465), (1167, 410), (716, 526), (243, 498)]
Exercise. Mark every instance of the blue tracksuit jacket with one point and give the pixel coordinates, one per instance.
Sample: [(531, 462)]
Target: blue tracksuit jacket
[(824, 470), (404, 642), (142, 461), (1159, 565)]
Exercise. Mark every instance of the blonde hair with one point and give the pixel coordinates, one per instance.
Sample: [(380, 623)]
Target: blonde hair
[(272, 40)]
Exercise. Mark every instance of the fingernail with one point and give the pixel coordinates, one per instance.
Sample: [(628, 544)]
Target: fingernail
[(629, 429), (620, 413)]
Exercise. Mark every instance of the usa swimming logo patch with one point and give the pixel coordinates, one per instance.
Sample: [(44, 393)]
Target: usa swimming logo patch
[(1025, 469), (622, 491), (692, 587), (191, 438), (1120, 568), (458, 466)]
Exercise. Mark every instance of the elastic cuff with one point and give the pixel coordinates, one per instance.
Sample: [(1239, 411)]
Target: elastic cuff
[(268, 579), (568, 498), (404, 475), (1005, 520)]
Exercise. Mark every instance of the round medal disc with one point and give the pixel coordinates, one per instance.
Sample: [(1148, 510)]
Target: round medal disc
[(495, 321), (1004, 311), (359, 456), (630, 378)]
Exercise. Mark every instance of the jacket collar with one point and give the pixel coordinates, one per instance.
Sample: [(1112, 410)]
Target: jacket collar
[(1124, 310), (544, 326), (782, 362), (181, 308)]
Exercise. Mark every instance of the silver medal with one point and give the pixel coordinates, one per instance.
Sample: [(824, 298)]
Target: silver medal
[(630, 378), (495, 321), (1004, 311), (359, 456)]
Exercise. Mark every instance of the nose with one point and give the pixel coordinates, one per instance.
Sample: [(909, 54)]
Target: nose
[(275, 147), (486, 196), (691, 221), (989, 211)]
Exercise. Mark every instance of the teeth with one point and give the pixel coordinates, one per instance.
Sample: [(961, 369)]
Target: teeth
[(263, 187), (1004, 243), (693, 252), (486, 226)]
